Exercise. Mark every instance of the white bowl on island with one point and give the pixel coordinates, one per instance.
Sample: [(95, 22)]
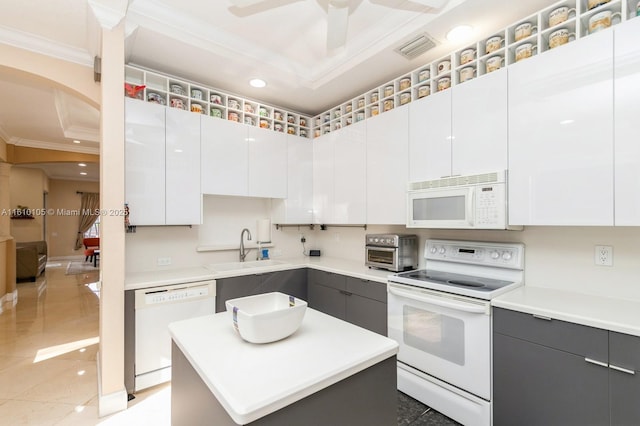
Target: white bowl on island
[(267, 317)]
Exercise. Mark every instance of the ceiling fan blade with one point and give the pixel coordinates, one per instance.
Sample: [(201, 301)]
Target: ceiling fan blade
[(337, 23), (413, 5), (245, 3), (244, 8), (435, 4)]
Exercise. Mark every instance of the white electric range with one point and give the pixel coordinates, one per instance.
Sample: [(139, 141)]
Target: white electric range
[(441, 318)]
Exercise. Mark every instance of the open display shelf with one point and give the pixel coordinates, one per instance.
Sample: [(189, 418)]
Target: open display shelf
[(511, 45), (198, 98)]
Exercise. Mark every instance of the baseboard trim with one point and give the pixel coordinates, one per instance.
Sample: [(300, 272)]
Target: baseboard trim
[(113, 402), (57, 258), (9, 298)]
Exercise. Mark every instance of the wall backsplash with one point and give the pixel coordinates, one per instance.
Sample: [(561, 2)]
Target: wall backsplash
[(555, 257)]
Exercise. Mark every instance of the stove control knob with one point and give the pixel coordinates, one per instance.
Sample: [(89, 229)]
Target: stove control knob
[(442, 250), (495, 255), (375, 240), (506, 255), (433, 249)]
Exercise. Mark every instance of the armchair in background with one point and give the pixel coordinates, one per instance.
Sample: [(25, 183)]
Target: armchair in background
[(31, 259), (90, 246)]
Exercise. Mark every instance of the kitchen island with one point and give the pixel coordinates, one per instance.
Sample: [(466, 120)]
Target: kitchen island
[(327, 372)]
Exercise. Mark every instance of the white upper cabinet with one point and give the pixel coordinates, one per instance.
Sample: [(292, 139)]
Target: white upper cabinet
[(298, 206), (323, 195), (182, 151), (479, 127), (339, 176), (267, 163), (460, 131), (561, 135), (225, 153), (350, 175), (387, 167), (430, 137), (162, 165), (145, 162), (627, 108)]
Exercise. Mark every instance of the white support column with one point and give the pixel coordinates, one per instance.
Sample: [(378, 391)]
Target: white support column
[(112, 393)]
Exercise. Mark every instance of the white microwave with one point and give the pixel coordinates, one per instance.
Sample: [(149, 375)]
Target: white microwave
[(459, 202)]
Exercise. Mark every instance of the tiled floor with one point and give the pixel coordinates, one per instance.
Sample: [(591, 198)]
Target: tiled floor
[(48, 346)]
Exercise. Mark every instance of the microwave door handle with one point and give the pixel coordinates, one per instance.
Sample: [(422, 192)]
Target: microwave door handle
[(439, 302), (471, 206)]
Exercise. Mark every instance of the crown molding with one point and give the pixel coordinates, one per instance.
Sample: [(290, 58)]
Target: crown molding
[(65, 119), (109, 13), (44, 46), (56, 146)]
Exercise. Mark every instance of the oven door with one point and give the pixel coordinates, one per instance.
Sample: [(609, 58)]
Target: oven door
[(444, 335), (383, 257)]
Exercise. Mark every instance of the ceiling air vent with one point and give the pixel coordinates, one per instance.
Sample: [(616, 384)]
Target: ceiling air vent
[(416, 47)]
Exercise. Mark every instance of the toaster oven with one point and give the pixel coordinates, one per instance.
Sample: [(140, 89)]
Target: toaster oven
[(394, 252)]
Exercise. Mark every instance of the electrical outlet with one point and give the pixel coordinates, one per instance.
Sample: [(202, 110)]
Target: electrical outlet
[(164, 261), (604, 255), (302, 239)]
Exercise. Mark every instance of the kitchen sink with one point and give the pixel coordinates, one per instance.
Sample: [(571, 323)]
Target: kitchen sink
[(254, 264)]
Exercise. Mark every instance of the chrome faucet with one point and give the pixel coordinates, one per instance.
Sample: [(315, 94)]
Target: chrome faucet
[(243, 253)]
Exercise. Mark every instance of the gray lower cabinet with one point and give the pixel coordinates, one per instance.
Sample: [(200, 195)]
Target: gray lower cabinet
[(360, 302), (624, 379), (554, 372), (292, 282)]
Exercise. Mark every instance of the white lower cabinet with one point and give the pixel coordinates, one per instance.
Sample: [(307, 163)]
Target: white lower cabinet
[(561, 135), (387, 167), (224, 160), (339, 176), (298, 206), (627, 106), (162, 165), (267, 163)]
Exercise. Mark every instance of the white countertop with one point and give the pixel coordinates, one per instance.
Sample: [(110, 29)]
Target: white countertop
[(146, 279), (339, 266), (252, 381), (596, 311)]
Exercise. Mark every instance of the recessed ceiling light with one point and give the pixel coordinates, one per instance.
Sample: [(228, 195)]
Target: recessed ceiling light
[(257, 82), (82, 165), (459, 33), (83, 173), (76, 141)]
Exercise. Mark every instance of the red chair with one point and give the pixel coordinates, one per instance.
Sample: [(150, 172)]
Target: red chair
[(90, 245)]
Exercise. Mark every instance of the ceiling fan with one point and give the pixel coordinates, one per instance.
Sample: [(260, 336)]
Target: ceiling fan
[(338, 12)]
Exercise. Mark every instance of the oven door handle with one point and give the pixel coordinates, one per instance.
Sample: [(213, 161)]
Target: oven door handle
[(459, 306)]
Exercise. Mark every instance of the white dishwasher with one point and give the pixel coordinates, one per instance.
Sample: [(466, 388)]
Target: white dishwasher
[(155, 309)]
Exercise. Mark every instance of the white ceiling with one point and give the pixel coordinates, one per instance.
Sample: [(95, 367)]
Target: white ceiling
[(216, 44)]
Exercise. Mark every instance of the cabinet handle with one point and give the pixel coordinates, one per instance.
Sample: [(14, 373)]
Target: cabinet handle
[(541, 317), (623, 370), (593, 361), (346, 293)]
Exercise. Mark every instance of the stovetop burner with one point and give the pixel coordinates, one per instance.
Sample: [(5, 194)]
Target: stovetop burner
[(456, 280)]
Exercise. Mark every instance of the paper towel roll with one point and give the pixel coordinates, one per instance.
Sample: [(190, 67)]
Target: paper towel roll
[(264, 231)]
